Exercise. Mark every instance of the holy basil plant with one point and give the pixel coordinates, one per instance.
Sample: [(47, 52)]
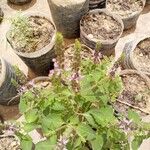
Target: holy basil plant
[(75, 111)]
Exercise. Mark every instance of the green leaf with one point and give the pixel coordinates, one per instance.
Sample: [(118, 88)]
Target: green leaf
[(45, 145), (31, 115), (23, 106), (85, 132), (103, 116), (26, 145), (97, 143), (132, 115), (136, 143), (30, 126), (90, 120), (52, 122), (74, 120), (57, 106)]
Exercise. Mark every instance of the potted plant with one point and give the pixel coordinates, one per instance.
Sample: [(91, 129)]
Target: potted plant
[(1, 15), (102, 26), (67, 15), (19, 2), (32, 37), (129, 11), (79, 114), (97, 4), (8, 84), (136, 55)]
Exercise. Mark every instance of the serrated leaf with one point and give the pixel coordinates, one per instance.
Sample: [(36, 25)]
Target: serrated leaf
[(85, 132), (52, 122), (97, 143), (90, 120), (31, 115), (103, 116)]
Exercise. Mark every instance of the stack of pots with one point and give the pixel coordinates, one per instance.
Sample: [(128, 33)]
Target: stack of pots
[(8, 90)]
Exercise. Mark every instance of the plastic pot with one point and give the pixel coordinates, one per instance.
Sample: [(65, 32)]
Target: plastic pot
[(129, 21), (124, 99), (39, 61), (106, 45), (128, 61), (97, 4), (19, 2), (7, 89), (67, 15)]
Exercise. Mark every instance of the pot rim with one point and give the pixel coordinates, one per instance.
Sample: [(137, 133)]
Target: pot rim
[(43, 50), (133, 14)]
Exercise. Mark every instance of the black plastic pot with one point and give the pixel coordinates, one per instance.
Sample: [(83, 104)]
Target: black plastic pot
[(8, 90), (39, 61), (67, 15), (130, 20), (97, 4), (128, 61), (19, 2), (106, 45)]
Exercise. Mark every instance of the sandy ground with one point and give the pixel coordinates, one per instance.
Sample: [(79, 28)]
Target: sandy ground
[(142, 28)]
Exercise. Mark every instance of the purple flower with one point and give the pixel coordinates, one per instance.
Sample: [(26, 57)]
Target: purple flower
[(97, 56)]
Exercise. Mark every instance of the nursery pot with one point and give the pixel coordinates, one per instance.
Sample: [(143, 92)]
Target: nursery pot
[(127, 99), (7, 89), (67, 15), (129, 61), (40, 61), (1, 15), (106, 45), (130, 20), (97, 4), (19, 2)]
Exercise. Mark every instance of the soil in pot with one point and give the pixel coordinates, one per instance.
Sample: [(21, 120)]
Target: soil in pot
[(124, 8), (41, 32), (141, 56), (101, 26), (136, 93)]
